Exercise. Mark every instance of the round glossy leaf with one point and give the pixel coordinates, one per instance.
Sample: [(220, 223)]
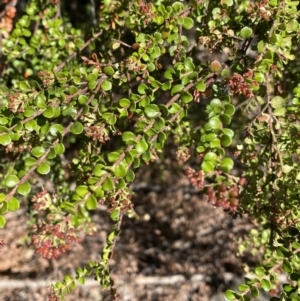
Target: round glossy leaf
[(24, 189), (2, 221), (210, 156), (31, 125), (188, 23), (108, 70), (142, 89), (115, 214), (207, 166), (246, 32), (226, 165), (228, 132), (120, 171), (92, 84), (151, 111), (230, 295), (266, 285), (82, 190), (59, 148), (215, 123), (106, 85), (186, 97), (215, 103), (141, 146), (200, 86), (91, 203), (77, 128), (13, 204), (98, 170), (11, 181), (56, 128), (225, 140), (128, 137), (48, 113), (82, 99), (226, 119), (5, 139), (38, 151), (43, 168), (113, 156), (129, 176), (229, 109), (124, 102), (108, 184), (176, 89)]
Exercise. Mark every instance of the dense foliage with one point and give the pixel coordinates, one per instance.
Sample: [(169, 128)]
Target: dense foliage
[(83, 105)]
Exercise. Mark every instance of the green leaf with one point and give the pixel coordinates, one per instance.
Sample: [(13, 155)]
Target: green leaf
[(277, 102), (186, 97), (200, 86), (266, 285), (175, 108), (115, 214), (128, 137), (287, 267), (13, 204), (207, 166), (243, 287), (141, 146), (120, 170), (92, 84), (43, 168), (215, 123), (59, 148), (106, 85), (254, 292), (142, 89), (5, 139), (108, 184), (24, 189), (98, 170), (109, 70), (129, 176), (91, 203), (38, 151), (246, 32), (226, 165), (2, 221), (48, 113), (124, 102), (230, 295), (113, 156), (82, 99), (229, 109), (225, 140), (176, 89), (260, 271), (11, 181), (188, 23), (152, 111), (56, 128), (82, 190), (77, 128)]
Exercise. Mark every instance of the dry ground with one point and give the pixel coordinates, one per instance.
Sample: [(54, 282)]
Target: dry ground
[(180, 249)]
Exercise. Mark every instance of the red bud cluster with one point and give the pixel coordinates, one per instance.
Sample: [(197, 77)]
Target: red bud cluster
[(196, 177), (51, 241), (238, 85), (98, 133)]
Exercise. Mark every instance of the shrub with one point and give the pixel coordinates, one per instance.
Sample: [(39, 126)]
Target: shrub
[(217, 78)]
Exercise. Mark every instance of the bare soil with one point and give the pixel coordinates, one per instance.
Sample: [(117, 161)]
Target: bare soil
[(180, 249)]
